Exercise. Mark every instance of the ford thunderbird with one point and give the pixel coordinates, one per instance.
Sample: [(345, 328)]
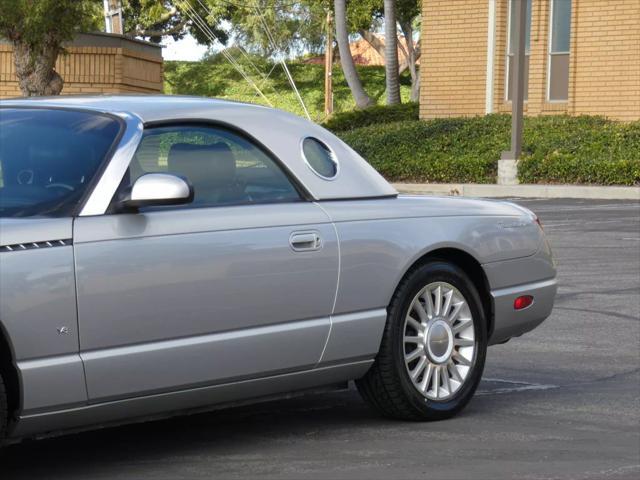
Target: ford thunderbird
[(166, 254)]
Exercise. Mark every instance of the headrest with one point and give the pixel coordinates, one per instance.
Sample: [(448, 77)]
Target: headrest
[(212, 164)]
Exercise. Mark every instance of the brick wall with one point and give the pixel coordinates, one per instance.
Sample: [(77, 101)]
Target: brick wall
[(453, 64), (604, 76), (121, 66)]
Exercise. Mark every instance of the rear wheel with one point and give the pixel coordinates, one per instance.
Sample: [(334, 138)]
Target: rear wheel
[(3, 409), (433, 348)]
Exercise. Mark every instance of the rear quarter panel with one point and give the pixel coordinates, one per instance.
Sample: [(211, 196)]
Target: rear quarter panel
[(381, 239)]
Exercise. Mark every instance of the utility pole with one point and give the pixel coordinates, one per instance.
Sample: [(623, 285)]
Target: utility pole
[(508, 164), (328, 67), (113, 16)]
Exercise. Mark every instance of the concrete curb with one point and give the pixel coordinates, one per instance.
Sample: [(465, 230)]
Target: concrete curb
[(522, 191)]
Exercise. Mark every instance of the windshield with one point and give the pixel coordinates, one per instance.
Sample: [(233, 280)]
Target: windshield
[(48, 158)]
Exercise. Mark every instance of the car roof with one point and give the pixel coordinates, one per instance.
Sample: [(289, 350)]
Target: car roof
[(280, 132)]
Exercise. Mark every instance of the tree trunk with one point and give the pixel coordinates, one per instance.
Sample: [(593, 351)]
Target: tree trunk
[(36, 70), (391, 52), (412, 54), (328, 67), (346, 60)]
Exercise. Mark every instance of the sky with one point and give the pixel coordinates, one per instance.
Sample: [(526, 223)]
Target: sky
[(184, 49)]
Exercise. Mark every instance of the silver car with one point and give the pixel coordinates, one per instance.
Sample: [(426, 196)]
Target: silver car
[(160, 254)]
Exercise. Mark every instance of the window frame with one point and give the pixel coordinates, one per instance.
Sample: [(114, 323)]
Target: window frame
[(333, 155), (303, 193), (551, 53), (508, 55)]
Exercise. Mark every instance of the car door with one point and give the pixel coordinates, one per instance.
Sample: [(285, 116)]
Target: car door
[(239, 284)]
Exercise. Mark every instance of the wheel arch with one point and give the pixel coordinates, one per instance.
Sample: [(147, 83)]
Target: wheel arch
[(10, 375), (470, 265)]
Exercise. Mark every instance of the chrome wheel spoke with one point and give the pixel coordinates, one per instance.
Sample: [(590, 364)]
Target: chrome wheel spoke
[(428, 301), (455, 312), (419, 368), (447, 303), (462, 360), (410, 357), (438, 340), (414, 324), (436, 381), (426, 378), (463, 342), (445, 379), (413, 340), (453, 369), (462, 324), (419, 309), (437, 306)]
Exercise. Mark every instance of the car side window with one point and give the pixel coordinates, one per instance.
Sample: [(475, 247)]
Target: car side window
[(224, 167)]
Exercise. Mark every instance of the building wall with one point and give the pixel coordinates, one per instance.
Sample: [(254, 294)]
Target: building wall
[(454, 58), (604, 74), (96, 63)]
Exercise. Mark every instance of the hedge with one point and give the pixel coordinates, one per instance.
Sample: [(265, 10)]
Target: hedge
[(556, 149), (372, 116)]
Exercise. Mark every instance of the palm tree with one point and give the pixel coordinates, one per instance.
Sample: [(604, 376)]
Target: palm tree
[(391, 52), (348, 67)]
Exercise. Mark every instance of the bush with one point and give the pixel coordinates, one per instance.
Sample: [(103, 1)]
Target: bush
[(557, 149), (585, 150), (442, 150), (375, 115)]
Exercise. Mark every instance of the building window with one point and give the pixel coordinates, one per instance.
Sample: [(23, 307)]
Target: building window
[(559, 47), (511, 49)]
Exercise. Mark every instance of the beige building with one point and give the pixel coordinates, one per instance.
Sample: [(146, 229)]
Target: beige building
[(96, 63), (583, 57)]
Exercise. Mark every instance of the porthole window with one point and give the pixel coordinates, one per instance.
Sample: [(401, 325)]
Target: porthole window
[(320, 158)]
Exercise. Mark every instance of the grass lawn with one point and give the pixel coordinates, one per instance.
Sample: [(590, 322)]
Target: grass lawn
[(215, 77)]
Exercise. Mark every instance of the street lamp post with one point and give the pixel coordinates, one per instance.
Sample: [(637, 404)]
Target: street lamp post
[(508, 163)]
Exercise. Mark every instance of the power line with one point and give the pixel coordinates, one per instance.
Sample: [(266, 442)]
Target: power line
[(200, 23), (272, 41), (242, 50)]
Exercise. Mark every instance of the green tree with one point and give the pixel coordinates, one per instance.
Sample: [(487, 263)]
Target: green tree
[(277, 27), (154, 20), (37, 30)]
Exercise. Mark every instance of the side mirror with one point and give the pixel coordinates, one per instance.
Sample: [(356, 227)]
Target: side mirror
[(156, 189)]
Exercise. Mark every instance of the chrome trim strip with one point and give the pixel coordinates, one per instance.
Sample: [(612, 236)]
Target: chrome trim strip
[(18, 247), (519, 289), (102, 194)]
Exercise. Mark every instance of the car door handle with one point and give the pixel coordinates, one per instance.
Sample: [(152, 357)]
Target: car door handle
[(305, 241)]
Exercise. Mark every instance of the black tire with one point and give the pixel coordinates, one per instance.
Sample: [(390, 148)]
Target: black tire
[(3, 409), (387, 386)]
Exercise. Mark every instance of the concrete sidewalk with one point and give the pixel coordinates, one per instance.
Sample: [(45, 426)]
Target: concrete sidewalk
[(522, 191)]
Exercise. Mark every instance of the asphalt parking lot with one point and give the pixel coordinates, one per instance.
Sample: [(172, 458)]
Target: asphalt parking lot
[(562, 402)]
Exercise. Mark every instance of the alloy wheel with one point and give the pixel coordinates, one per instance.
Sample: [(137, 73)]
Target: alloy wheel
[(439, 341)]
